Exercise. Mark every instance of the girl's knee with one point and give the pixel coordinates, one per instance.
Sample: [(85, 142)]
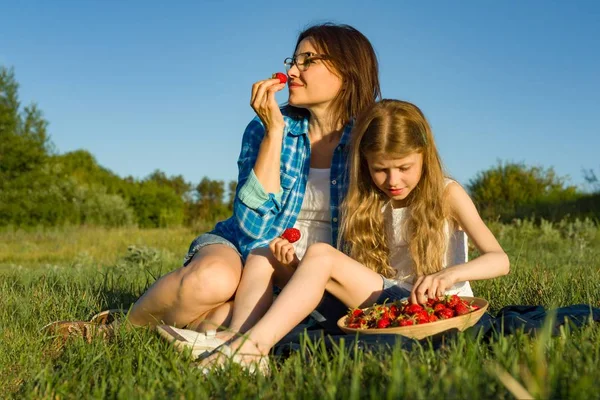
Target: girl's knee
[(321, 250), (260, 259)]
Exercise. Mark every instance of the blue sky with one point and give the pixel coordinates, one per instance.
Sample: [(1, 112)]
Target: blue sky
[(147, 85)]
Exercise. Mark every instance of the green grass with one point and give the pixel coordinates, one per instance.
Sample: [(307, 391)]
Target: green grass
[(91, 245), (73, 273)]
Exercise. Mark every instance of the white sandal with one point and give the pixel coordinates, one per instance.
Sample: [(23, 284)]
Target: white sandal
[(253, 366), (183, 339)]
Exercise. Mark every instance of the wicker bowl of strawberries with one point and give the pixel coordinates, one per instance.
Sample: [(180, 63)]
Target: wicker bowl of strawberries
[(415, 321)]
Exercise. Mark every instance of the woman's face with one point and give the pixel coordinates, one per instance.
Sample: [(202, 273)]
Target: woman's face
[(312, 85)]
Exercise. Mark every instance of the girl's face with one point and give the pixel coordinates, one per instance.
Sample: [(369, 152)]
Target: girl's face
[(312, 85), (396, 177)]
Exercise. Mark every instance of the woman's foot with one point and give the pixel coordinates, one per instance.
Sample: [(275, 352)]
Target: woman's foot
[(241, 351)]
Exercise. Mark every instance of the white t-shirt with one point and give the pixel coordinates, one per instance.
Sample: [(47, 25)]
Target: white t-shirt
[(401, 260), (315, 215)]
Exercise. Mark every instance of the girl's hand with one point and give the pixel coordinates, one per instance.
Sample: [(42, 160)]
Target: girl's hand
[(284, 252), (432, 286), (264, 104)]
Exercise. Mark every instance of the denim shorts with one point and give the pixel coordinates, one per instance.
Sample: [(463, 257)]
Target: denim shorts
[(204, 240), (392, 292)]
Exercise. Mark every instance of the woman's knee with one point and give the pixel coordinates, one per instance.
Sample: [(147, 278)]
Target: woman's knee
[(209, 280)]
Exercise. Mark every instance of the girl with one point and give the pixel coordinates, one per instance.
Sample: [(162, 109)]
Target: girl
[(403, 226)]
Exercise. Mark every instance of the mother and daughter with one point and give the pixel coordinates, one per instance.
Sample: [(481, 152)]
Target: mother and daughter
[(403, 228), (346, 170)]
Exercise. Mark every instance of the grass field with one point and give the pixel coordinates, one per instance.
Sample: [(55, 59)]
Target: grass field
[(48, 275)]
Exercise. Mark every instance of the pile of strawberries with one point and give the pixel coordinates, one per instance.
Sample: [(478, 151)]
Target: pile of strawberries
[(402, 313)]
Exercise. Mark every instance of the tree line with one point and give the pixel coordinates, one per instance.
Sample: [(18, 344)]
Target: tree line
[(41, 187)]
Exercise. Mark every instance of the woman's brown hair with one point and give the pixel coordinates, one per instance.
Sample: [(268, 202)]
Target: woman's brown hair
[(352, 57)]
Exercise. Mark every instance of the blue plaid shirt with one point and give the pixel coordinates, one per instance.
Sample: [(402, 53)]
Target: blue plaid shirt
[(259, 217)]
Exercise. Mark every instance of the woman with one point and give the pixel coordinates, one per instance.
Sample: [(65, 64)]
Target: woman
[(333, 76)]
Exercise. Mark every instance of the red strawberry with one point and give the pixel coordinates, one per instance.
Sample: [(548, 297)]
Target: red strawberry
[(281, 76), (445, 314), (291, 235), (422, 317), (413, 309), (433, 318), (406, 322), (462, 309), (357, 312), (383, 323), (439, 307), (452, 300)]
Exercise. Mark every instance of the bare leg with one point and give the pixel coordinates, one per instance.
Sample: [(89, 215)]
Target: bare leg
[(322, 268), (254, 295), (188, 294), (217, 318)]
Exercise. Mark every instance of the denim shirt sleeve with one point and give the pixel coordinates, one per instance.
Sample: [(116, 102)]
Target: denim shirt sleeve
[(253, 208), (253, 195)]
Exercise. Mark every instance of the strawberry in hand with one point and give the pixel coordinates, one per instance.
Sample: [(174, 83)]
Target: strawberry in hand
[(292, 235), (281, 76), (283, 249)]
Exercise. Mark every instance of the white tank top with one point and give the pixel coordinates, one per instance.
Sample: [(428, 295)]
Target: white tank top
[(314, 219), (401, 261)]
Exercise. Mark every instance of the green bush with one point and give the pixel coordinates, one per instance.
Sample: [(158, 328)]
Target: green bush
[(514, 190), (96, 207), (47, 198), (156, 205), (83, 167), (37, 198), (583, 205)]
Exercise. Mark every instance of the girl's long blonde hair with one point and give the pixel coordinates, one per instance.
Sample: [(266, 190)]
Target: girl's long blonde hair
[(392, 129)]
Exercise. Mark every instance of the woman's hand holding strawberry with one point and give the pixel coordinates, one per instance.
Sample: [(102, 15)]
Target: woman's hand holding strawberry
[(264, 104)]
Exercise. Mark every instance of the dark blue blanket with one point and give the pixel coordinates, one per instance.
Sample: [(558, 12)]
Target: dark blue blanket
[(531, 318), (510, 319)]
